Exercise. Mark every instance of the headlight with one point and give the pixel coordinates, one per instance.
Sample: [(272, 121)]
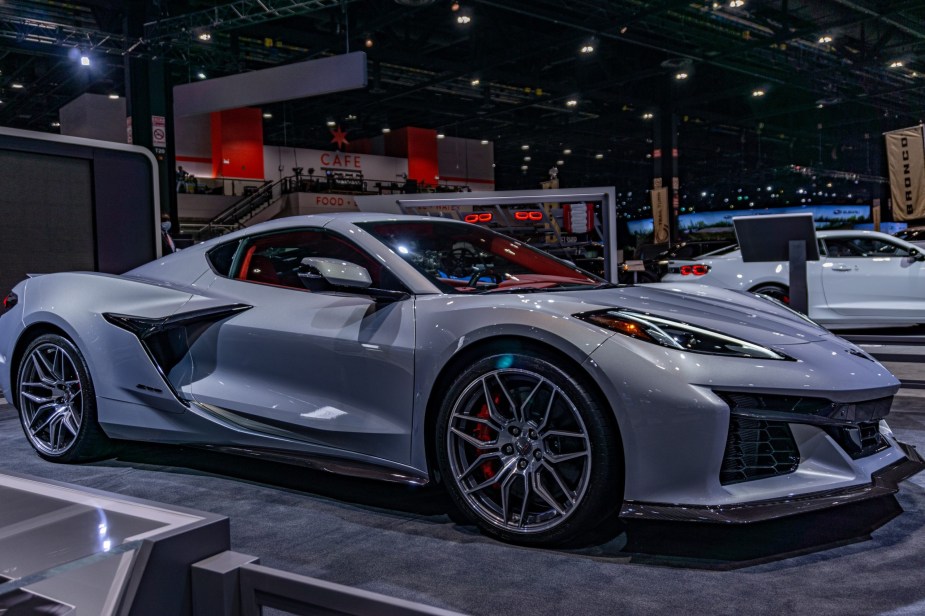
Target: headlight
[(676, 335)]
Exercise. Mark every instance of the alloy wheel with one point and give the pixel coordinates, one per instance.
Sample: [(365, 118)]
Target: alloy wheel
[(519, 451), (51, 399)]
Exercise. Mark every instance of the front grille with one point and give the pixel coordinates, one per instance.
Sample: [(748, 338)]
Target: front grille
[(756, 449), (861, 440)]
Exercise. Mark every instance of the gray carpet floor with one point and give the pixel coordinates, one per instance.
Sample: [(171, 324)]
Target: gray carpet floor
[(861, 559)]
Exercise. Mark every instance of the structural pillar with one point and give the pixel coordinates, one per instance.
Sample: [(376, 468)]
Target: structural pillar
[(665, 164), (149, 108)]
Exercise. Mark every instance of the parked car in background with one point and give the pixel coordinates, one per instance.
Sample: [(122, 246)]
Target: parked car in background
[(862, 279), (657, 256), (913, 235)]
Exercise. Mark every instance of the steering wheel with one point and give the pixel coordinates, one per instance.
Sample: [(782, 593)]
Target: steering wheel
[(460, 260)]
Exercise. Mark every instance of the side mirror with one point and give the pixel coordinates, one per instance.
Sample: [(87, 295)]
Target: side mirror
[(916, 255), (334, 272)]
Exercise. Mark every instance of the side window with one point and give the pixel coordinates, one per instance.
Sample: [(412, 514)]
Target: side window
[(277, 259), (863, 247), (222, 257)]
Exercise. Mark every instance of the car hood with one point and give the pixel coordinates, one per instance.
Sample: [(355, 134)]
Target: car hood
[(734, 313)]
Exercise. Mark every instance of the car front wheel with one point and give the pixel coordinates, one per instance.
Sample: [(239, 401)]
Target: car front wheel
[(57, 403), (528, 452)]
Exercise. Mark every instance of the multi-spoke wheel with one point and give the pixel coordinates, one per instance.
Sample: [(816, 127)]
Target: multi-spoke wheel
[(527, 452), (57, 403)]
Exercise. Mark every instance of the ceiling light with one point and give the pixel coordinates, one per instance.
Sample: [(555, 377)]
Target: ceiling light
[(680, 76), (571, 103), (16, 86), (331, 123), (587, 49), (205, 36), (648, 115), (114, 96), (441, 136), (757, 93), (476, 81), (566, 151), (825, 39), (267, 115), (525, 147), (463, 19), (454, 7), (736, 4), (350, 117), (524, 167), (527, 159), (386, 129), (84, 60), (369, 42), (55, 124), (598, 156), (896, 64), (200, 75), (484, 141), (560, 162)]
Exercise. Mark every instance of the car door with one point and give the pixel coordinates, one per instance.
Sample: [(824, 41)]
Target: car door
[(324, 368), (873, 277)]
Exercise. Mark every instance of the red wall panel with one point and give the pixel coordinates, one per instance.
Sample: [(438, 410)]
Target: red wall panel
[(237, 143)]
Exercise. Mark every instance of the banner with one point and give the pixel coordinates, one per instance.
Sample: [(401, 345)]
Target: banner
[(661, 227), (905, 150)]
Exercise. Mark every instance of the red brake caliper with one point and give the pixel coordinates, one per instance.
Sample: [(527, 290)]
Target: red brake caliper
[(483, 433)]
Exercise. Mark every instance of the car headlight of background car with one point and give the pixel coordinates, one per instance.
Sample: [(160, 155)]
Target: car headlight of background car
[(676, 335)]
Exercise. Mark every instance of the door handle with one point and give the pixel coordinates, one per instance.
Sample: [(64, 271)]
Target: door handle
[(841, 268)]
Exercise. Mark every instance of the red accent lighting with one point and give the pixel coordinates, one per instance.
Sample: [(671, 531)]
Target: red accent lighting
[(479, 217), (528, 215)]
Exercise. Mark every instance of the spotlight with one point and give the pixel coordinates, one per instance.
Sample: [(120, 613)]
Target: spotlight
[(463, 19), (84, 60), (267, 115), (735, 4), (56, 124), (16, 86), (757, 93), (680, 76), (441, 136), (525, 147), (598, 156), (114, 96), (386, 130), (648, 116), (560, 162), (369, 42), (566, 151), (527, 159), (205, 36), (200, 75), (454, 7), (331, 123), (825, 39), (484, 141), (524, 167), (587, 49), (896, 64), (571, 103)]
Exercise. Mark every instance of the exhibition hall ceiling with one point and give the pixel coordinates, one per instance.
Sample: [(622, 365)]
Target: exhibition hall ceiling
[(756, 87)]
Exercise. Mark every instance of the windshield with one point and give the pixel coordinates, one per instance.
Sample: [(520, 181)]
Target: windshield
[(464, 258)]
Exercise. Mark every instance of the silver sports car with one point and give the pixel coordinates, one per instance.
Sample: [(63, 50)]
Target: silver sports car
[(419, 350)]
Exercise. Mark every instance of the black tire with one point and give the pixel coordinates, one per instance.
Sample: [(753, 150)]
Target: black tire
[(551, 468), (57, 402), (778, 292)]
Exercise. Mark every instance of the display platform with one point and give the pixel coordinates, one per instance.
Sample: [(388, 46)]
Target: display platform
[(69, 550), (406, 542)]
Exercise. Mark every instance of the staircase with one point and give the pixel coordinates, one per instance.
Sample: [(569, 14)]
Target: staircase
[(237, 215)]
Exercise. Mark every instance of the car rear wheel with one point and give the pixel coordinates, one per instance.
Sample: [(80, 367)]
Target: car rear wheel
[(57, 402), (780, 293), (527, 451)]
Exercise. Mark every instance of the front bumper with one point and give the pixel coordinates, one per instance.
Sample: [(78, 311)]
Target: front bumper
[(883, 483)]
